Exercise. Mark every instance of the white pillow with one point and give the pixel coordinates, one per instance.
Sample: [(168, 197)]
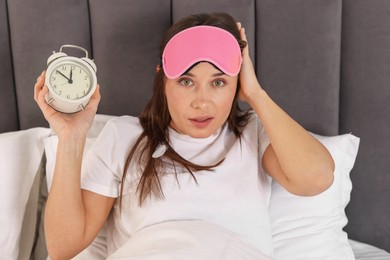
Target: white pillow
[(20, 156), (98, 248), (311, 227)]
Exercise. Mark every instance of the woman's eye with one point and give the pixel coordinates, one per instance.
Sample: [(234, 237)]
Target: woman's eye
[(219, 83), (186, 82)]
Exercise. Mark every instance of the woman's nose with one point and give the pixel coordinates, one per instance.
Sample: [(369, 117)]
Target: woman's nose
[(201, 98)]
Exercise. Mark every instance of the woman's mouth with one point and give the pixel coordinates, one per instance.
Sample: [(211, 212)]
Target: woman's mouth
[(201, 122)]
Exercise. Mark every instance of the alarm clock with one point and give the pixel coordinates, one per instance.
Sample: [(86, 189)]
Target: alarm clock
[(71, 80)]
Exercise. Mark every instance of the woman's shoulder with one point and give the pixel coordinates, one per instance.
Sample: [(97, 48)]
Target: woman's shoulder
[(252, 119), (121, 128), (116, 136), (125, 123), (254, 126), (124, 120)]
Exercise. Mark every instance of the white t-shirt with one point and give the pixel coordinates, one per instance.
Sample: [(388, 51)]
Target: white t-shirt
[(234, 195)]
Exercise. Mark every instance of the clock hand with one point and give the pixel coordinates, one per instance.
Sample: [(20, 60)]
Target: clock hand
[(63, 75), (70, 80)]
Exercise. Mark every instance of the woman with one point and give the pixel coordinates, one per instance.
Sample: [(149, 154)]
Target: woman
[(190, 155)]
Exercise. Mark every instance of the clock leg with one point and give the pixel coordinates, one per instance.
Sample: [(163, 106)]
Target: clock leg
[(51, 100)]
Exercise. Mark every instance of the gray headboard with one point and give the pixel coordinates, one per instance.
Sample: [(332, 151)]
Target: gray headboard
[(327, 63)]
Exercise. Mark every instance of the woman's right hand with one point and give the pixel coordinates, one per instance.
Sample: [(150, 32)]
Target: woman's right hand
[(74, 125)]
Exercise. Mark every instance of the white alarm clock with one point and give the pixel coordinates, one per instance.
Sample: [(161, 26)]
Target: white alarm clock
[(71, 80)]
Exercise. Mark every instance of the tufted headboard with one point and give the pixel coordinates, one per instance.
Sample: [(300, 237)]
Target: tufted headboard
[(327, 63)]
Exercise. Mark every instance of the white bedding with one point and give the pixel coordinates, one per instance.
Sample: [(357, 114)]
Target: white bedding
[(20, 157), (195, 239), (187, 240), (364, 251)]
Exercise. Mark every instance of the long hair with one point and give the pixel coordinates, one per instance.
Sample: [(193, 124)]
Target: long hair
[(155, 118)]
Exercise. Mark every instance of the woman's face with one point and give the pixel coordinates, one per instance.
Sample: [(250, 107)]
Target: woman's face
[(200, 100)]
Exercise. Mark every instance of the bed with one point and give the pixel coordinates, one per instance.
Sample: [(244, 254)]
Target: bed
[(325, 62)]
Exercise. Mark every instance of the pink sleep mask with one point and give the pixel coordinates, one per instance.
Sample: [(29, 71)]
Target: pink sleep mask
[(201, 43)]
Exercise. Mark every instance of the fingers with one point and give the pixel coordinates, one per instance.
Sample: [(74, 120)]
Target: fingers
[(40, 91), (41, 100), (242, 31), (94, 101), (39, 84), (96, 96), (243, 37)]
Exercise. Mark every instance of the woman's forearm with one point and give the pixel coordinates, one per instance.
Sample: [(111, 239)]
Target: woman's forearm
[(305, 162), (65, 214)]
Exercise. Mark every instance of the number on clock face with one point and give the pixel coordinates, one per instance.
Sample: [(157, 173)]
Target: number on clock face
[(70, 81)]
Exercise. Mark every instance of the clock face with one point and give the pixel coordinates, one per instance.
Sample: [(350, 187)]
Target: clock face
[(70, 80)]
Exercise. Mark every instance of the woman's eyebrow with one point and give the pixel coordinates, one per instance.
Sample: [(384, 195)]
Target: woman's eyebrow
[(218, 74), (188, 74)]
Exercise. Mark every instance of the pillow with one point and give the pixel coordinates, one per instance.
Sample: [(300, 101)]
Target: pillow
[(311, 227), (28, 243), (365, 251), (98, 248), (20, 156)]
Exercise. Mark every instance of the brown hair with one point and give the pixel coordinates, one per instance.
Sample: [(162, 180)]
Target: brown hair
[(155, 118)]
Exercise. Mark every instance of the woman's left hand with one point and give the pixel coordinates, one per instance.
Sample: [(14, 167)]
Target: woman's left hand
[(248, 80)]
